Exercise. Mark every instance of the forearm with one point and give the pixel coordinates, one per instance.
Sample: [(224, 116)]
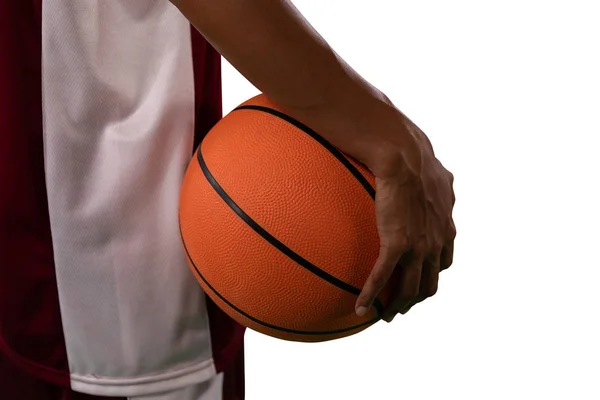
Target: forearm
[(273, 46), (277, 50)]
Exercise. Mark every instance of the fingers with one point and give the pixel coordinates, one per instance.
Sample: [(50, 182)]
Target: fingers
[(379, 276), (427, 285), (430, 276), (408, 287), (429, 282), (447, 256)]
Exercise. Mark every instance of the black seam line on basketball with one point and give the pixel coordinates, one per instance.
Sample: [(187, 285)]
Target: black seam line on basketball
[(250, 317), (274, 241), (331, 148)]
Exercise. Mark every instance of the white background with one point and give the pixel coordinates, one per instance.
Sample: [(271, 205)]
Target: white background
[(509, 93)]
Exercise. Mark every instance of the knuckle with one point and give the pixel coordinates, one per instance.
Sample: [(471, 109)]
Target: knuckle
[(431, 290), (452, 231), (436, 250), (399, 238), (420, 247)]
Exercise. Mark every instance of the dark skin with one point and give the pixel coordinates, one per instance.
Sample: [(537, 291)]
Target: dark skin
[(414, 199)]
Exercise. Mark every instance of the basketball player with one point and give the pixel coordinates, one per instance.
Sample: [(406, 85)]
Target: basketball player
[(102, 103)]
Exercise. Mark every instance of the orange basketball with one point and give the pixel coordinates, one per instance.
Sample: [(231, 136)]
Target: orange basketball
[(279, 226)]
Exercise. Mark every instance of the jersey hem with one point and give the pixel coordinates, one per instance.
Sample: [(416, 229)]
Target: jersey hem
[(111, 387), (145, 385)]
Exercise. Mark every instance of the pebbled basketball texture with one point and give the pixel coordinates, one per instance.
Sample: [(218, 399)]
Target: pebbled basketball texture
[(279, 227)]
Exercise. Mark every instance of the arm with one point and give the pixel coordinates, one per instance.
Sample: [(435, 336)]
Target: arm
[(277, 50)]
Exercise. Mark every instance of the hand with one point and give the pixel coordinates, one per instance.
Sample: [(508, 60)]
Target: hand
[(414, 196), (414, 203)]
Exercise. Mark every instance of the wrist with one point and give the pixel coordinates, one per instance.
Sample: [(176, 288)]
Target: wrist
[(345, 118), (362, 122)]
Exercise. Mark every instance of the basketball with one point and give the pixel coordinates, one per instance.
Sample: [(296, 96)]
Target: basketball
[(278, 226)]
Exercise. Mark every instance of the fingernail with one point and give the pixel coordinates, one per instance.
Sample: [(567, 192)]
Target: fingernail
[(362, 310)]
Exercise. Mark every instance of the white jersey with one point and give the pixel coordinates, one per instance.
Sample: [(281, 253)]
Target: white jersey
[(120, 83)]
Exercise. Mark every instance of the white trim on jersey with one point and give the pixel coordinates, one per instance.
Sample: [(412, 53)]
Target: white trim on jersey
[(118, 133), (209, 390)]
